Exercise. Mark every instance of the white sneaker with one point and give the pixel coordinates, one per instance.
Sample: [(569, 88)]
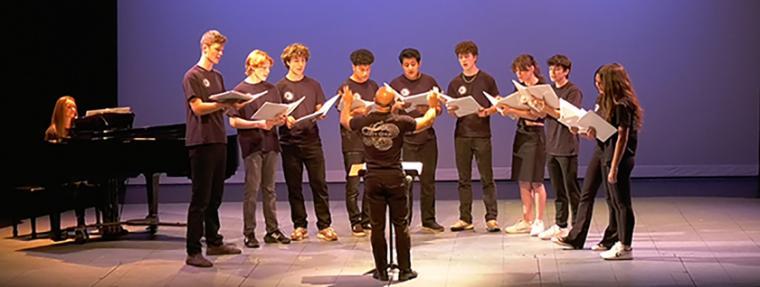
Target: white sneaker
[(618, 252), (549, 233), (521, 226), (537, 228)]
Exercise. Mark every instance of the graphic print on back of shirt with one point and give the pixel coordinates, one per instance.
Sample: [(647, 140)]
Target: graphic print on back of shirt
[(380, 135)]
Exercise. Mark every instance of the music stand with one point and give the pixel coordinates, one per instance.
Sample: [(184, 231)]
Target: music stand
[(411, 169)]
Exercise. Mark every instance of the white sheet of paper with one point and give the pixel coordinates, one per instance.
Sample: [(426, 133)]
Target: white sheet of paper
[(545, 92), (117, 110), (604, 130), (416, 100), (398, 96), (569, 115), (322, 110), (292, 106), (235, 96), (270, 110), (467, 106), (358, 102)]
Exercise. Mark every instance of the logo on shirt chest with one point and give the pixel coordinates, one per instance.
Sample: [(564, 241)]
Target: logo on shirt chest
[(380, 135), (288, 96), (404, 92), (206, 83), (462, 90)]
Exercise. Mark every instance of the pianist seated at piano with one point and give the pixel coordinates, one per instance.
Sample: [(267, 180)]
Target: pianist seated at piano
[(64, 113)]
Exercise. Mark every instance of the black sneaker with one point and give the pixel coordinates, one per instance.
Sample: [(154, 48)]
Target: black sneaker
[(198, 260), (358, 231), (434, 226), (404, 275), (276, 237), (367, 227), (251, 242), (381, 275), (224, 249)]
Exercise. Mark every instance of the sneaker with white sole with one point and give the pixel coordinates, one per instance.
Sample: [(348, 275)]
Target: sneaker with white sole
[(299, 234), (521, 226), (553, 231), (327, 234), (460, 225), (618, 252), (537, 227), (492, 226)]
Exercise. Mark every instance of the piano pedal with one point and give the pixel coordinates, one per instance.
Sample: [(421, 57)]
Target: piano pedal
[(80, 235)]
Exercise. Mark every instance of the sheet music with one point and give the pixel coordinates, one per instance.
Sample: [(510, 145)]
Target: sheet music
[(271, 110), (604, 130), (416, 100), (467, 106), (117, 110), (322, 110), (235, 96)]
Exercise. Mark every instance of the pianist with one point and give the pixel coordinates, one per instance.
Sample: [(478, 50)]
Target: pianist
[(64, 113), (206, 141)]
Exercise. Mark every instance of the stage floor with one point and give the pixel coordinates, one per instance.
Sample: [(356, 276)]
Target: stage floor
[(678, 241)]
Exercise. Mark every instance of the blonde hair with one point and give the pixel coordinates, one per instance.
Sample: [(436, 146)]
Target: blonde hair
[(292, 51), (212, 37), (57, 129), (256, 59)]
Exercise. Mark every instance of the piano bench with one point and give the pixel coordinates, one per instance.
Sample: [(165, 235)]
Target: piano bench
[(32, 218)]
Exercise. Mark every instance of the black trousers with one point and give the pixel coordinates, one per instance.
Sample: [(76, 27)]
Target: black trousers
[(294, 158), (387, 188), (427, 154), (620, 200), (352, 190), (563, 173), (207, 166), (479, 148), (594, 178)]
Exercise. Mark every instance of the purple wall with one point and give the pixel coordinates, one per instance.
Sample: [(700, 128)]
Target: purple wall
[(694, 63)]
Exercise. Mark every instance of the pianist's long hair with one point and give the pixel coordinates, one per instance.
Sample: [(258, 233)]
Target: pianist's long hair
[(59, 122)]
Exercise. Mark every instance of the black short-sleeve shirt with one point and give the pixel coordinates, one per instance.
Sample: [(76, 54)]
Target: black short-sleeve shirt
[(382, 136), (622, 116), (473, 126), (209, 128), (255, 140), (351, 140), (559, 140), (307, 131), (407, 87)]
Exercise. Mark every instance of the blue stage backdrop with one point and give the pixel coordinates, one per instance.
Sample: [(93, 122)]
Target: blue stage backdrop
[(694, 64)]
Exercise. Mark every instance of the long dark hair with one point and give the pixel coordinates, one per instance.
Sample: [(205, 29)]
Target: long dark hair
[(617, 89), (523, 63)]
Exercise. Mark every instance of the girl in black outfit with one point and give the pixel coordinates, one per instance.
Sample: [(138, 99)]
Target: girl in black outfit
[(612, 163)]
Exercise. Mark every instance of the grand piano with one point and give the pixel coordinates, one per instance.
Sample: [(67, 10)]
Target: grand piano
[(103, 152)]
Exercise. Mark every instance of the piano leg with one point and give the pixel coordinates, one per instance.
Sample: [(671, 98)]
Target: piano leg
[(111, 220), (151, 185)]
